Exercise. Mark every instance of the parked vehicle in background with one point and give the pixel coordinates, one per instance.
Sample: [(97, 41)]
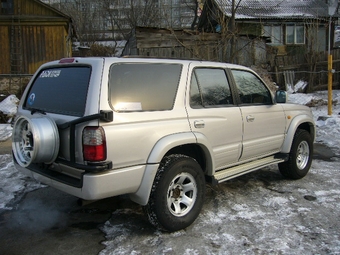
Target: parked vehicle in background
[(156, 129)]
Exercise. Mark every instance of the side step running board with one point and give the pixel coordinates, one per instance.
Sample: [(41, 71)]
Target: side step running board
[(235, 171)]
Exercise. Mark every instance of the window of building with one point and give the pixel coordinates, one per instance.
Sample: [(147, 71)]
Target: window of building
[(295, 34), (274, 32), (6, 7)]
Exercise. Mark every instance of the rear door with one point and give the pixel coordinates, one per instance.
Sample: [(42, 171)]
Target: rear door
[(61, 91), (214, 117), (263, 120)]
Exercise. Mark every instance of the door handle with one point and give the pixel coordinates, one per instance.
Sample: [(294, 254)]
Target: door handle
[(199, 124), (250, 118)]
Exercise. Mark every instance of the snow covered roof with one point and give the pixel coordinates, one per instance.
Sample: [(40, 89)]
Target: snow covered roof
[(275, 9)]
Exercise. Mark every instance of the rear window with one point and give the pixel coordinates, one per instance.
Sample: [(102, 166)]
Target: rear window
[(143, 86), (60, 90)]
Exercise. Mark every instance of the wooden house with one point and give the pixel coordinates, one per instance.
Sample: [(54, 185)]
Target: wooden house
[(291, 26), (32, 33), (172, 43), (189, 44)]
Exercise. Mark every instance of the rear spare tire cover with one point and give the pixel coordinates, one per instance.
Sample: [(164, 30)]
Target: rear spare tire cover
[(35, 140)]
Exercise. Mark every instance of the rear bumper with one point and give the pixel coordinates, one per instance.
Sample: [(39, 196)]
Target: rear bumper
[(89, 186)]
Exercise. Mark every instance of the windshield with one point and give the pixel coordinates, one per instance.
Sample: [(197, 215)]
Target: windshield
[(60, 90)]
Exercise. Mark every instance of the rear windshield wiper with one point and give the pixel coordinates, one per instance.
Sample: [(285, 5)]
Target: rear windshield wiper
[(34, 110)]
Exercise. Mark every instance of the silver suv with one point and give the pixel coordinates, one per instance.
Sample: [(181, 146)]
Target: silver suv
[(155, 129)]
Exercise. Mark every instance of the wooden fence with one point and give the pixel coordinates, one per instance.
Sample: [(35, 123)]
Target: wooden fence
[(310, 68)]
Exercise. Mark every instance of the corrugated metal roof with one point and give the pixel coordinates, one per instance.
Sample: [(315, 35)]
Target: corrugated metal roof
[(275, 9)]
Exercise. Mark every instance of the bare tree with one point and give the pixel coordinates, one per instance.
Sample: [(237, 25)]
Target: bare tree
[(114, 19), (233, 29), (86, 17), (194, 6), (313, 52), (123, 16), (215, 20), (95, 19), (145, 13)]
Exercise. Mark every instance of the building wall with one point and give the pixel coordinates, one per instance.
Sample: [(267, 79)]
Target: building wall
[(5, 66), (32, 35), (169, 43), (23, 7), (42, 44)]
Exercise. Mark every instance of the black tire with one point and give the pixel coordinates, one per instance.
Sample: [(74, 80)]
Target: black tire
[(177, 193), (300, 156)]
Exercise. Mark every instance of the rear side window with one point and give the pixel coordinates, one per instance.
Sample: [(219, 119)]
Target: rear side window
[(143, 86), (60, 90), (210, 88)]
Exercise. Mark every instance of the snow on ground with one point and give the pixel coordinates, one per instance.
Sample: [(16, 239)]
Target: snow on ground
[(260, 213), (13, 184), (8, 106), (5, 132), (328, 129)]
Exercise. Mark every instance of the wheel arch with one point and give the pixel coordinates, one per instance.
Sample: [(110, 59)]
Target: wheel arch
[(303, 122), (189, 144), (181, 143)]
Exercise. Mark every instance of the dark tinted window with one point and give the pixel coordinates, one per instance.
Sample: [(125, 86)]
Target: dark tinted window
[(60, 90), (6, 6), (251, 89), (209, 88), (143, 86)]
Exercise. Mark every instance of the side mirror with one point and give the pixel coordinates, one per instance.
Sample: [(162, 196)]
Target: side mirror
[(281, 97)]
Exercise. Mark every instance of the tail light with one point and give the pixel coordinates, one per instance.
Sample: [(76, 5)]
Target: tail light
[(94, 144)]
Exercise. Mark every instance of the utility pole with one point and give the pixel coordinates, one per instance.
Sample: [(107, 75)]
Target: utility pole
[(233, 31), (332, 6)]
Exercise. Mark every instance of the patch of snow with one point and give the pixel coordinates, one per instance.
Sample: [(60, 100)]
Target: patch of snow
[(13, 185), (327, 126), (273, 201), (5, 132), (298, 87), (9, 105)]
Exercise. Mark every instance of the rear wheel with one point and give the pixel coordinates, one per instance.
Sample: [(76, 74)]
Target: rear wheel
[(177, 193), (300, 156)]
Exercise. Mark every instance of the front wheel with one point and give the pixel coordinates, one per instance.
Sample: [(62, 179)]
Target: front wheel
[(177, 193), (300, 156)]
